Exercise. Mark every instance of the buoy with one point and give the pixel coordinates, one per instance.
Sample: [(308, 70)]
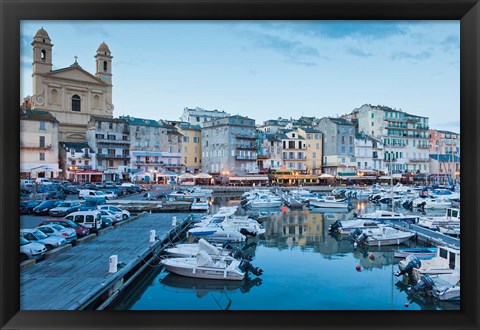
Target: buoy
[(284, 209), (371, 256), (406, 304), (355, 245), (358, 268)]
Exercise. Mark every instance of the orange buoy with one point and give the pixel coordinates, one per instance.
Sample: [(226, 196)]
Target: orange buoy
[(284, 209), (371, 256), (358, 268)]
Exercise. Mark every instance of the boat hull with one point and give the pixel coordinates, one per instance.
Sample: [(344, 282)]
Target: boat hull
[(329, 205), (220, 273)]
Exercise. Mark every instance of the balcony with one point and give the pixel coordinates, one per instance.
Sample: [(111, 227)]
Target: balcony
[(418, 160), (294, 157), (423, 147), (388, 160), (245, 157), (112, 142), (112, 156), (35, 146), (246, 136), (173, 165), (399, 120), (152, 163), (245, 146)]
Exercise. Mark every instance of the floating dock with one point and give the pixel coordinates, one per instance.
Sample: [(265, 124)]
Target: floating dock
[(79, 278), (429, 236)]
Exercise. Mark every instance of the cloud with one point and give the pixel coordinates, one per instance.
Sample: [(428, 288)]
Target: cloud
[(90, 29), (295, 51), (451, 43), (454, 123), (358, 52), (411, 56), (25, 44), (341, 29)]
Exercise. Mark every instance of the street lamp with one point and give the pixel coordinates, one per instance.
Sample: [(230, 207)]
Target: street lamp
[(73, 169)]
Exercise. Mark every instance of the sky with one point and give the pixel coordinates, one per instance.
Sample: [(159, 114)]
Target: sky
[(265, 69)]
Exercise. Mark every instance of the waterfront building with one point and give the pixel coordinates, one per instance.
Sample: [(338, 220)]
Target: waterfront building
[(314, 143), (38, 144), (71, 94), (78, 162), (229, 145), (110, 140), (368, 153), (269, 152), (198, 115), (155, 150), (405, 136), (293, 150), (191, 145), (273, 126), (444, 153), (338, 146)]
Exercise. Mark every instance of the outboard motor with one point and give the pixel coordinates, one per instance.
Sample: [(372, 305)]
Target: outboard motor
[(246, 266), (354, 234), (334, 226), (422, 205), (248, 232), (362, 238), (425, 285), (407, 265), (239, 254)]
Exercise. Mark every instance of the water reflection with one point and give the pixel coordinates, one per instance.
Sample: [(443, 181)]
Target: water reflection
[(217, 289)]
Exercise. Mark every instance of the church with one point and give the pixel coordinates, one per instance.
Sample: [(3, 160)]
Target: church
[(71, 94)]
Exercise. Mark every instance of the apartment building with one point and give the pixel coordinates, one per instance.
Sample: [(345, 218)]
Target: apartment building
[(314, 143), (198, 115)]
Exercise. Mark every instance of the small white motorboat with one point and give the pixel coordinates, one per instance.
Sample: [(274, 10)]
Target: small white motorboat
[(386, 236), (192, 249), (329, 202), (451, 217), (381, 216), (431, 202), (348, 226), (444, 287), (206, 266), (264, 201), (200, 204), (452, 230), (419, 252), (447, 261)]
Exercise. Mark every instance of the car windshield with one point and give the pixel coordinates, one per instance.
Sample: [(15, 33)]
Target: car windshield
[(40, 235), (23, 241), (115, 209), (46, 203), (58, 227), (72, 223), (64, 204)]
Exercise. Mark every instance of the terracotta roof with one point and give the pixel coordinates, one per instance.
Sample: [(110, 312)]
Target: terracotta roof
[(103, 48), (42, 33), (39, 115)]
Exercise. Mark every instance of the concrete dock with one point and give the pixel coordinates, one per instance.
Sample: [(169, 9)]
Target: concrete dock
[(79, 278)]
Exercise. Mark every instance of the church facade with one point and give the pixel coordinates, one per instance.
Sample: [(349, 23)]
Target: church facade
[(71, 94)]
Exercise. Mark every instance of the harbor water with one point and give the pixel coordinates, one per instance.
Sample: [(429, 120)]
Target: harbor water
[(305, 268)]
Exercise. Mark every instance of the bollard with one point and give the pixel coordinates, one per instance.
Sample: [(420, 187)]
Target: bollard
[(152, 236), (112, 262), (174, 221)]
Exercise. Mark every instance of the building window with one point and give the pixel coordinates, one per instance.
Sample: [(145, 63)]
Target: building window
[(373, 116), (105, 66), (42, 156), (110, 125), (110, 163), (76, 103), (43, 55), (99, 124), (42, 126), (196, 159), (343, 139), (147, 143)]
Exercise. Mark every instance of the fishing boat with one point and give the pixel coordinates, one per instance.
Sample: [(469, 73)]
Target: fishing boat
[(420, 252), (381, 216), (329, 202), (206, 266), (452, 230)]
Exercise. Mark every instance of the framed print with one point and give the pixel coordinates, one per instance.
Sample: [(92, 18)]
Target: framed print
[(239, 164)]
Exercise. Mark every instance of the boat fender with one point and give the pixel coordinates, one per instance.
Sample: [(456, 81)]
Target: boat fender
[(371, 256), (358, 268)]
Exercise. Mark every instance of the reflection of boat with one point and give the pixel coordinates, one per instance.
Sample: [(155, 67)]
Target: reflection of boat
[(204, 286), (420, 252), (348, 226), (212, 267), (329, 210)]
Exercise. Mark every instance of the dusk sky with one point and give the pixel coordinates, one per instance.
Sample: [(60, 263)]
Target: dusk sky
[(266, 69)]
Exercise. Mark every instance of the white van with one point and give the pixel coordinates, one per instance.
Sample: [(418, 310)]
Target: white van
[(90, 219), (43, 181), (87, 193)]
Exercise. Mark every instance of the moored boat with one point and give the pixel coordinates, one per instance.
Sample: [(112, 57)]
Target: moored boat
[(419, 252), (329, 202)]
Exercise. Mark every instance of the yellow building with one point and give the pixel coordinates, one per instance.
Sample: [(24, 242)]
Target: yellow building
[(314, 149), (38, 145), (191, 146)]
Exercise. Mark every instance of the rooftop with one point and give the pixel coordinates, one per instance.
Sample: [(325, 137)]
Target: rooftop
[(447, 132), (39, 115), (108, 119), (77, 146), (140, 121)]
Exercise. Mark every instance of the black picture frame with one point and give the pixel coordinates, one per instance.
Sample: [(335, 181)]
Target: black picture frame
[(12, 12)]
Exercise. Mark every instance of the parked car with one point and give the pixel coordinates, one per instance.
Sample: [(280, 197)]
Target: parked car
[(44, 207), (133, 189), (110, 194), (114, 217), (89, 186), (124, 213), (26, 207), (92, 204), (118, 191), (70, 190), (56, 194), (43, 181), (80, 230), (106, 222), (31, 250), (64, 208), (88, 193), (60, 231), (90, 219), (37, 236)]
